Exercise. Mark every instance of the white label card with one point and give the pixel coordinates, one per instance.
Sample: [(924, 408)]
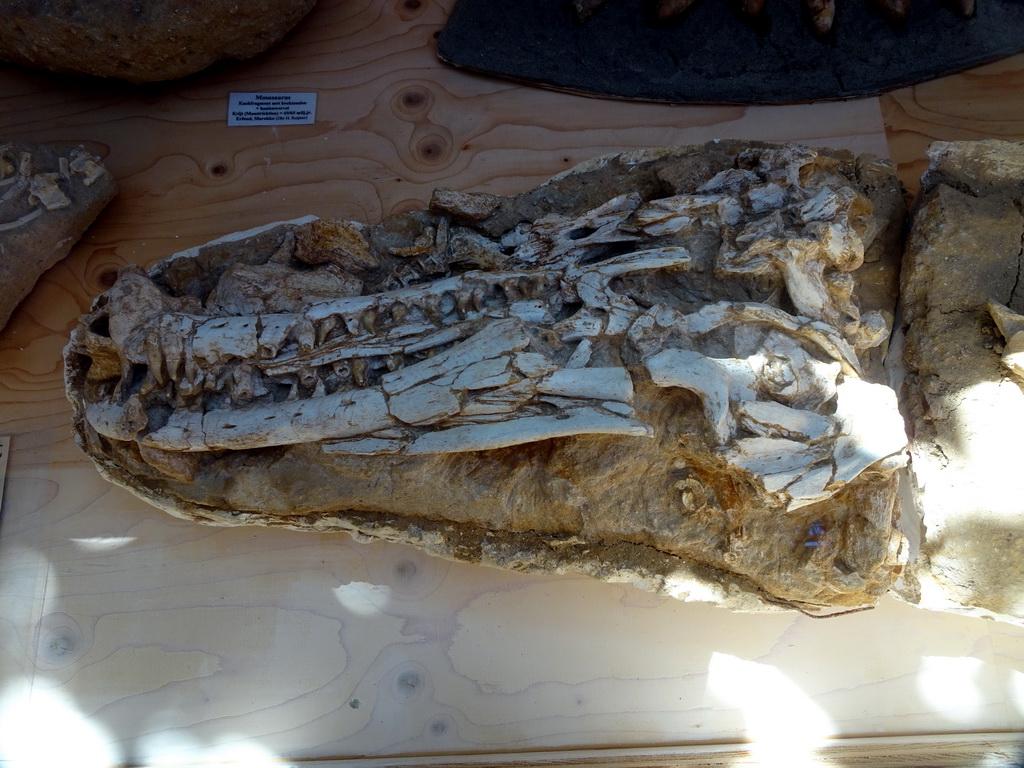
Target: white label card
[(272, 109)]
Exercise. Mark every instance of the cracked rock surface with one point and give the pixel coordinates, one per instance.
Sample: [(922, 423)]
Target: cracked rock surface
[(962, 296), (653, 368), (141, 41)]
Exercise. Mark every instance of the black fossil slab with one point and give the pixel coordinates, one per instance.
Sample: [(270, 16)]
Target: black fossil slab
[(714, 55)]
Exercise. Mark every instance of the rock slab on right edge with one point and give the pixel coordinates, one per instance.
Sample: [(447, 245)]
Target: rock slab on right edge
[(963, 403)]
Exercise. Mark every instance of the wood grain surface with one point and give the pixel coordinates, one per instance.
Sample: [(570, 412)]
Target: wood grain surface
[(141, 638)]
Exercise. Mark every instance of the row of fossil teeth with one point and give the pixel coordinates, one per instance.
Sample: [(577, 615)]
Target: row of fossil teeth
[(485, 379)]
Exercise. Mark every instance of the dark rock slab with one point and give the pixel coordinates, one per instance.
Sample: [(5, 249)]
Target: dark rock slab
[(711, 55)]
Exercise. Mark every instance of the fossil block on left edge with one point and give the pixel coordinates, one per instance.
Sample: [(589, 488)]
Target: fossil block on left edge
[(652, 368), (49, 195)]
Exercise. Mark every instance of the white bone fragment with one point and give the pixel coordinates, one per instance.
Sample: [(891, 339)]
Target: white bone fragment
[(531, 311), (528, 429), (717, 382), (533, 364), (501, 337), (767, 418), (44, 187), (479, 375), (590, 383), (120, 422), (811, 487), (274, 331), (425, 403), (444, 336), (581, 355), (222, 338), (766, 197), (865, 441), (84, 164), (585, 323), (767, 456), (620, 408), (730, 180), (365, 446)]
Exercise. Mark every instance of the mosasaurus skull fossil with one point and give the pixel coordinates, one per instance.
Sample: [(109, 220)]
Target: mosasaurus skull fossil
[(651, 367)]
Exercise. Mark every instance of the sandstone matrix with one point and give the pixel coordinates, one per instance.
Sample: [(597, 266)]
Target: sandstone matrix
[(962, 296), (652, 368), (49, 195), (141, 41)]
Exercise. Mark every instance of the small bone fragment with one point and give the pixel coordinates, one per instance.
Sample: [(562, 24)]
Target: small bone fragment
[(592, 383), (768, 418)]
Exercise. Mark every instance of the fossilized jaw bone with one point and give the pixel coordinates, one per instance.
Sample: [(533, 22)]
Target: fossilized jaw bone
[(618, 332), (493, 366)]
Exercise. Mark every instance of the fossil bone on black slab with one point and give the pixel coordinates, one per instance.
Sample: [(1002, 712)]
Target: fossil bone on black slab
[(651, 368)]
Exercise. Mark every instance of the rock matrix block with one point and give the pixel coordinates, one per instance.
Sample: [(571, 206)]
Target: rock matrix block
[(49, 195), (652, 368), (962, 296), (141, 40)]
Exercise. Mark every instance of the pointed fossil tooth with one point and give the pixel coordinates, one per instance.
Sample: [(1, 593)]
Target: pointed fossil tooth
[(369, 320), (359, 370), (325, 327), (293, 393), (478, 298), (393, 362), (462, 300), (305, 335), (823, 13), (398, 311), (320, 389), (155, 358)]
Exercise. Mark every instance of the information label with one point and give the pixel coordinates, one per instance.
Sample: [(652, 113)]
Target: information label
[(272, 109)]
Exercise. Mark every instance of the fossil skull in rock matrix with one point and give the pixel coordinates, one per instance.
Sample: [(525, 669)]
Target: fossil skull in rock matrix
[(649, 368)]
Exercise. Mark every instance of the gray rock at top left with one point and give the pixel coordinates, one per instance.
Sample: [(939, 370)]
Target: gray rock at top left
[(141, 40)]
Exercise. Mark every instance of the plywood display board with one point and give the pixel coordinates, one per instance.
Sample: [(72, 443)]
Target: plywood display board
[(128, 636)]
